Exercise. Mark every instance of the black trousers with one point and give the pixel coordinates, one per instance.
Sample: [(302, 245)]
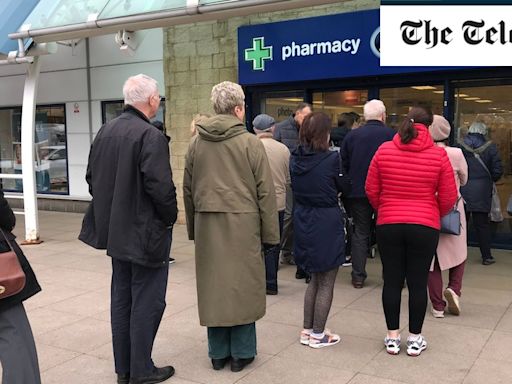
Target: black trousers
[(361, 212), (272, 259), (482, 227), (17, 348), (406, 251), (137, 306)]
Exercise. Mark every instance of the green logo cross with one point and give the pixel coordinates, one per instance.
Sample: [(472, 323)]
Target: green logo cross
[(258, 54)]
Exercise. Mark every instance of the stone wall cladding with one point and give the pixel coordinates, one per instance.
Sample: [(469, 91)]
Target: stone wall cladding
[(198, 56)]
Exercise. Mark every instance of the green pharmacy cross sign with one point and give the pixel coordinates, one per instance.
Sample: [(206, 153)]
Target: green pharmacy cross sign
[(258, 54)]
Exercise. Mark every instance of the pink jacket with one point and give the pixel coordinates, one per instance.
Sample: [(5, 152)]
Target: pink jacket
[(453, 250), (411, 183)]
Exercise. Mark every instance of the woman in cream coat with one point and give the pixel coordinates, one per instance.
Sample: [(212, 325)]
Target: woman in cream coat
[(452, 250)]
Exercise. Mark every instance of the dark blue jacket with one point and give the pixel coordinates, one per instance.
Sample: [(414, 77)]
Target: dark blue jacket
[(287, 132), (133, 203), (318, 221), (357, 151), (477, 192)]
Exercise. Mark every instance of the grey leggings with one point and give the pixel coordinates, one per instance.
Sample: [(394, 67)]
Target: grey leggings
[(318, 299)]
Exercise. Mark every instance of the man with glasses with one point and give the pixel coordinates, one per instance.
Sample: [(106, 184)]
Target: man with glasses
[(131, 216)]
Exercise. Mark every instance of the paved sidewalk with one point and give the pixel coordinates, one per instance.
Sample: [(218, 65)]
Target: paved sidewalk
[(70, 320)]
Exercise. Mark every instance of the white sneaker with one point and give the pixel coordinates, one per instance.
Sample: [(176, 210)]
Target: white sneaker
[(304, 337), (392, 345), (326, 341), (437, 314), (453, 301), (416, 346)]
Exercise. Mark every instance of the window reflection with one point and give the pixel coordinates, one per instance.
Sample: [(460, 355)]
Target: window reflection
[(51, 165)]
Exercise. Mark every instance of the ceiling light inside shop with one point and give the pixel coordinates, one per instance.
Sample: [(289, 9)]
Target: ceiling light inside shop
[(318, 102), (294, 99), (423, 87), (461, 95), (483, 101), (438, 91), (471, 98)]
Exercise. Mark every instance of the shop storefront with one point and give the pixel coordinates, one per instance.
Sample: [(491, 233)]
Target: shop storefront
[(332, 62)]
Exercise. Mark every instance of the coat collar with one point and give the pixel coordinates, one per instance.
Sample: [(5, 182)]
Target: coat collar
[(134, 111)]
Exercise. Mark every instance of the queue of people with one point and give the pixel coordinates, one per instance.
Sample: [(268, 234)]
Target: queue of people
[(249, 198)]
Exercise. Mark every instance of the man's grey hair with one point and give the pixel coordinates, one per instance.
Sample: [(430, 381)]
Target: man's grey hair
[(374, 109), (139, 88), (226, 96), (478, 127)]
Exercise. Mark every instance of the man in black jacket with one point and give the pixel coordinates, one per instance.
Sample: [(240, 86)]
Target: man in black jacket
[(357, 151), (131, 216), (287, 132)]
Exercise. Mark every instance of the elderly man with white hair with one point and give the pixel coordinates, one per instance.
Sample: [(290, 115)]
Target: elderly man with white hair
[(231, 211), (131, 215), (357, 151)]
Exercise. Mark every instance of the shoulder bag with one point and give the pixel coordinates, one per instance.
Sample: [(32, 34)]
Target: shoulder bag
[(450, 223), (12, 277)]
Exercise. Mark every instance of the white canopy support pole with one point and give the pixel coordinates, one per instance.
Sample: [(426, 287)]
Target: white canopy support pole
[(28, 115)]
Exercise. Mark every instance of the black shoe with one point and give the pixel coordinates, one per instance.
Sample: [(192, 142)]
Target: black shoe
[(358, 284), (159, 375), (171, 260), (238, 364), (489, 261), (271, 291), (218, 364), (300, 274), (123, 379), (308, 279)]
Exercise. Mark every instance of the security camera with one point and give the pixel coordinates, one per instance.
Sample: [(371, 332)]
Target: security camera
[(127, 41)]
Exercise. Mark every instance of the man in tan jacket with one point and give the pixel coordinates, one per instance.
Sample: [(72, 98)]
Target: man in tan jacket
[(279, 159)]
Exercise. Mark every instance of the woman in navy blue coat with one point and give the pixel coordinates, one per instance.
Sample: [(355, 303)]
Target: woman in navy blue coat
[(477, 192), (318, 222)]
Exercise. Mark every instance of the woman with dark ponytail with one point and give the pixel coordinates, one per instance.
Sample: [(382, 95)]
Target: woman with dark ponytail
[(410, 184)]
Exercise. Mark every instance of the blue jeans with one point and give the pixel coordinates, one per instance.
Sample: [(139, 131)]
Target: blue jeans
[(272, 259)]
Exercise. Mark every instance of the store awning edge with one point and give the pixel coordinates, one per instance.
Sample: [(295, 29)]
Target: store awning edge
[(162, 19)]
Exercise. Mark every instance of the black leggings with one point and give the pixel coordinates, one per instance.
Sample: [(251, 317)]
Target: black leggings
[(406, 251), (318, 299)]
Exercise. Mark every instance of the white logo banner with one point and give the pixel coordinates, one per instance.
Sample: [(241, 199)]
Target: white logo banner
[(446, 35)]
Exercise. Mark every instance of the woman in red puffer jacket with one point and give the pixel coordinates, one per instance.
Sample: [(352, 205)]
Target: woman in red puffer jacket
[(410, 184)]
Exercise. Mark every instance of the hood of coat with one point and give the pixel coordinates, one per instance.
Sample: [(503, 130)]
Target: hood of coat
[(304, 159), (474, 140), (419, 143), (220, 127)]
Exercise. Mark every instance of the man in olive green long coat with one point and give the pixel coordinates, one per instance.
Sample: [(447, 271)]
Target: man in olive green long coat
[(231, 211)]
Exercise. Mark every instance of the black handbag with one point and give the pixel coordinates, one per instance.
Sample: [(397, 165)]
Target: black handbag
[(450, 223)]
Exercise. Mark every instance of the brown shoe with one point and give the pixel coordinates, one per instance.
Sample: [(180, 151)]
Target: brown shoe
[(357, 283)]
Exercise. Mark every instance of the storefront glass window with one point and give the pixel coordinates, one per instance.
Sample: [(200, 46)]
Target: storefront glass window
[(398, 101), (335, 103), (51, 162), (281, 105), (112, 109), (491, 105)]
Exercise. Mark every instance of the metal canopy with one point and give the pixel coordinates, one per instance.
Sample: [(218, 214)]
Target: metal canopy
[(74, 19), (13, 14)]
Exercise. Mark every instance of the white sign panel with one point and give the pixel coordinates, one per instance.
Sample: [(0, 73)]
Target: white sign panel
[(456, 35)]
